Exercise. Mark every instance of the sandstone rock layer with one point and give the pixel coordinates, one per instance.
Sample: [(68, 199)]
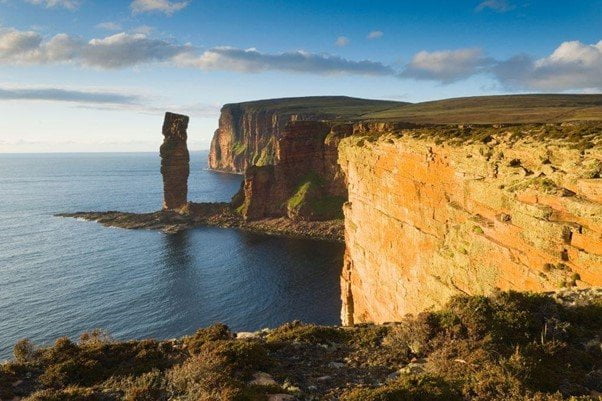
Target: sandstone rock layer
[(305, 181), (248, 131), (175, 161), (428, 218)]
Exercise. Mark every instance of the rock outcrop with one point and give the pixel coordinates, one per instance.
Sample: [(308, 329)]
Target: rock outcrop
[(304, 182), (436, 212), (175, 162), (213, 215)]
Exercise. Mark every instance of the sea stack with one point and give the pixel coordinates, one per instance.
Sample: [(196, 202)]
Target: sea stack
[(175, 160)]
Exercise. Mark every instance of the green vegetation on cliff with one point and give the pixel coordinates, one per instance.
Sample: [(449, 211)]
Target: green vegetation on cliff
[(329, 107), (309, 201), (537, 108), (510, 346)]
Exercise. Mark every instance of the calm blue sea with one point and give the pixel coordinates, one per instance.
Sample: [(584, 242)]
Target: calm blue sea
[(62, 276)]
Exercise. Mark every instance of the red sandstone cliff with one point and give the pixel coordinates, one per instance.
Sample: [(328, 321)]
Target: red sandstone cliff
[(175, 162), (440, 211), (248, 131), (433, 211), (305, 181)]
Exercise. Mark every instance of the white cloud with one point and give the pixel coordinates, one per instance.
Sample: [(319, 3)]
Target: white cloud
[(125, 50), (573, 65), (446, 65), (109, 26), (68, 4), (374, 35), (341, 41), (14, 42), (167, 7), (500, 6), (251, 60), (67, 95), (103, 100), (115, 51)]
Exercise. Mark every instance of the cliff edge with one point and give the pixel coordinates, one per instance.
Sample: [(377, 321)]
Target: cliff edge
[(248, 131), (438, 211)]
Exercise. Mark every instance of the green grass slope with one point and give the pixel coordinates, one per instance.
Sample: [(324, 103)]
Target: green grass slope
[(536, 108), (335, 107)]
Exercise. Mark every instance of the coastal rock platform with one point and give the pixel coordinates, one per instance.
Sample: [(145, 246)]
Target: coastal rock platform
[(213, 215)]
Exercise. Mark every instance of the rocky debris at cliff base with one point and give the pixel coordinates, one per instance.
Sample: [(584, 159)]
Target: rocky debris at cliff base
[(331, 230), (213, 215)]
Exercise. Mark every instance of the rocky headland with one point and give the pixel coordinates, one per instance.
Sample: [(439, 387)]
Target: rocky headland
[(461, 196), (248, 132)]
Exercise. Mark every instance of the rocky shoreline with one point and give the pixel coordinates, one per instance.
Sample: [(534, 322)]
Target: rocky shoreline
[(213, 215)]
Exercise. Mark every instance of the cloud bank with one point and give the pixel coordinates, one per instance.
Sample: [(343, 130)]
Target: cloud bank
[(104, 100), (68, 95), (126, 50), (115, 51), (252, 60), (446, 66), (572, 65)]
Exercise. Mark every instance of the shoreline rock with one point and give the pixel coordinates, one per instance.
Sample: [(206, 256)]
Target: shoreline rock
[(213, 215)]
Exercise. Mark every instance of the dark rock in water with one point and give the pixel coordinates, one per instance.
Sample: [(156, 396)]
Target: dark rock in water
[(175, 160), (214, 215)]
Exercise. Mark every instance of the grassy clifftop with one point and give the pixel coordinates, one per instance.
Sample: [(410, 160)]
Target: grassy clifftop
[(510, 346), (529, 108), (538, 108), (338, 107)]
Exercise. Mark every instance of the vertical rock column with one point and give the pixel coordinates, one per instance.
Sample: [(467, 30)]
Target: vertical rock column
[(175, 162)]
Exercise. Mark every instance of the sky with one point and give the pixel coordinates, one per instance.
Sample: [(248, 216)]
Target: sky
[(98, 75)]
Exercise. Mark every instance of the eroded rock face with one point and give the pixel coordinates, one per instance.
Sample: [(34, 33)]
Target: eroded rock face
[(428, 219), (175, 160), (248, 137), (305, 181)]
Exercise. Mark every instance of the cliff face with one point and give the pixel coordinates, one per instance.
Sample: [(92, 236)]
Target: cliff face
[(245, 138), (175, 162), (248, 131), (430, 216), (304, 182)]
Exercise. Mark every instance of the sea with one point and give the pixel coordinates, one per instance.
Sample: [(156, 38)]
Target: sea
[(62, 276)]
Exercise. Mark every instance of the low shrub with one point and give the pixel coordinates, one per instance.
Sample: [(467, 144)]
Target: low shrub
[(306, 333), (424, 388), (218, 331)]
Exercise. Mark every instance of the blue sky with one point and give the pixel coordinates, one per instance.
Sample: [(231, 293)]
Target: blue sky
[(86, 75)]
